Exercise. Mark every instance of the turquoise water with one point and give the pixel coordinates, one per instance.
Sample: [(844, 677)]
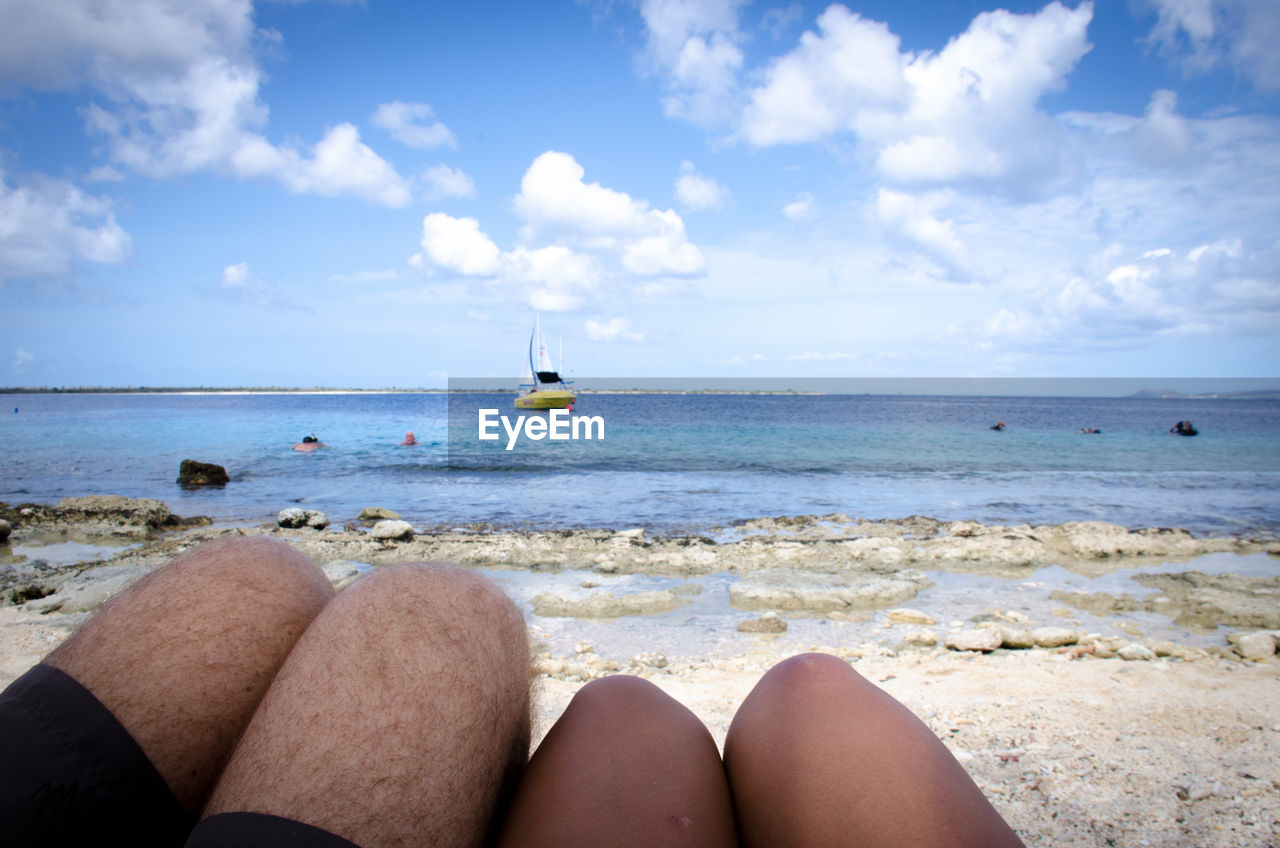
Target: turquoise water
[(670, 462)]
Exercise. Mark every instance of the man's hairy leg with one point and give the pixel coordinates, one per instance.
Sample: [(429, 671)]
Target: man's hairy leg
[(818, 755), (182, 657), (400, 718)]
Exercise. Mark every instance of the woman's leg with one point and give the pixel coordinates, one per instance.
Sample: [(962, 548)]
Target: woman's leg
[(626, 765), (817, 756)]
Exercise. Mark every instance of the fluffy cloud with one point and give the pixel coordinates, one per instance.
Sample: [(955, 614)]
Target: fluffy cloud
[(696, 192), (555, 202), (235, 276), (441, 181), (21, 359), (1204, 34), (552, 278), (694, 46), (411, 124), (966, 112), (1213, 289), (589, 233), (47, 224), (800, 208), (179, 92), (458, 244)]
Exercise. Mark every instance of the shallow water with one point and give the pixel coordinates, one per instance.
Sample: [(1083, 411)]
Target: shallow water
[(707, 626)]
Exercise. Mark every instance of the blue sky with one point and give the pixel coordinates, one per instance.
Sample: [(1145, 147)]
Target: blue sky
[(219, 192)]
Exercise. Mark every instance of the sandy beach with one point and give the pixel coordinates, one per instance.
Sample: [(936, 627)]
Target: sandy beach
[(1103, 685)]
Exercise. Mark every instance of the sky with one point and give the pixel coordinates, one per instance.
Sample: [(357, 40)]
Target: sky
[(386, 194)]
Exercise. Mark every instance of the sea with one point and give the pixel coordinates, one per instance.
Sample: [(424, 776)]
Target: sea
[(670, 462)]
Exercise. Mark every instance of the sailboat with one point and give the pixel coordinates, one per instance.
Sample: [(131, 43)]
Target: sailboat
[(542, 386)]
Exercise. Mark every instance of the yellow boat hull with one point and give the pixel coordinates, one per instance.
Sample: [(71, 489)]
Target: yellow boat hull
[(545, 399)]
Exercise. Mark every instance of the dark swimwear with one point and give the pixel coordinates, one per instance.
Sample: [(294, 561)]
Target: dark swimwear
[(71, 775)]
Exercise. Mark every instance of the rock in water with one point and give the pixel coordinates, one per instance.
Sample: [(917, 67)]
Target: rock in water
[(294, 517), (377, 513), (193, 473), (770, 622), (5, 529)]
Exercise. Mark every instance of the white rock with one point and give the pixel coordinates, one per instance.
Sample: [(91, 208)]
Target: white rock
[(924, 637), (317, 520), (1134, 651), (392, 530), (983, 639), (1256, 646), (1017, 637), (1054, 637), (291, 517), (649, 660), (910, 616)]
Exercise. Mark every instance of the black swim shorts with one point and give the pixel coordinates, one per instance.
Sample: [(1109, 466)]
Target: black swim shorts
[(71, 775)]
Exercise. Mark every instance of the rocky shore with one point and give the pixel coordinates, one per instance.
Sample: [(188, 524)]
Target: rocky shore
[(1134, 701)]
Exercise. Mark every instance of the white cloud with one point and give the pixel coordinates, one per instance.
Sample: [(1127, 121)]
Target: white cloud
[(46, 225), (849, 70), (913, 218), (552, 278), (442, 181), (412, 124), (177, 92), (1203, 34), (1214, 289), (584, 228), (612, 330), (555, 203), (1164, 135), (694, 45), (458, 244), (800, 208), (21, 359), (696, 192), (966, 112), (235, 276)]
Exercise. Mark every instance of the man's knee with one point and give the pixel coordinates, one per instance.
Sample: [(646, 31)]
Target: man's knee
[(434, 594), (250, 569)]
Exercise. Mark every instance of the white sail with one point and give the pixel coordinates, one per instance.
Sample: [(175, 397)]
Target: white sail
[(541, 360)]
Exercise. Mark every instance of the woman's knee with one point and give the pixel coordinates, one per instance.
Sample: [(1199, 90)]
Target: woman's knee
[(635, 708)]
